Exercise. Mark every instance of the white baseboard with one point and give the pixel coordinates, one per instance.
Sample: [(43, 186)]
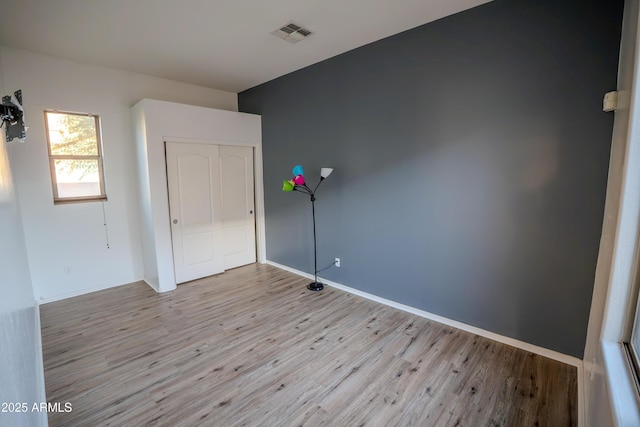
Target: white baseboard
[(151, 285), (551, 354), (47, 300), (40, 363)]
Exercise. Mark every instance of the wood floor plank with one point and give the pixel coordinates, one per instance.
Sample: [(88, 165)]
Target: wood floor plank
[(254, 347)]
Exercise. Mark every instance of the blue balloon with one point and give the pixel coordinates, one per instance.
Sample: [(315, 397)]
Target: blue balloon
[(298, 171)]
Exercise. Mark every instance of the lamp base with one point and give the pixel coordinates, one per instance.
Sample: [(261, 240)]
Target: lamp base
[(315, 286)]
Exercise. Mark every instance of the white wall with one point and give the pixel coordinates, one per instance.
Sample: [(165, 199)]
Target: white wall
[(190, 124), (21, 372), (73, 234), (15, 285), (614, 272)]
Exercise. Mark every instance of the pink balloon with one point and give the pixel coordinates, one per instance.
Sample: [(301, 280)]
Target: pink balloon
[(298, 180)]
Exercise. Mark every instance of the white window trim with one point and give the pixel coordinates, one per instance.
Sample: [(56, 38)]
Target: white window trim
[(619, 312), (622, 390), (57, 199)]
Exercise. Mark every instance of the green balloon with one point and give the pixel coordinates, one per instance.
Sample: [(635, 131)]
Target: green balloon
[(287, 185)]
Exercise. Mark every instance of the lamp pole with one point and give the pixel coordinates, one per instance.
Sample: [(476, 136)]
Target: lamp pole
[(298, 184), (315, 286)]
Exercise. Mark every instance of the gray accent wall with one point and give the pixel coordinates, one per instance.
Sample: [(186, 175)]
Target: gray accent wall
[(471, 158)]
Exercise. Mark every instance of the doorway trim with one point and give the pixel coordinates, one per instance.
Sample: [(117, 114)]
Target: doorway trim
[(155, 122), (258, 183)]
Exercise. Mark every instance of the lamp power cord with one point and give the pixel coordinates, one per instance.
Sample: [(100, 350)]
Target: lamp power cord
[(327, 267)]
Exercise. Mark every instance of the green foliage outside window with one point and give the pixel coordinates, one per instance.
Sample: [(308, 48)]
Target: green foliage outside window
[(75, 156), (74, 135)]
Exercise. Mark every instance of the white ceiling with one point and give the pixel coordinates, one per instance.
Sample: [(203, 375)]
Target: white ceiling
[(222, 44)]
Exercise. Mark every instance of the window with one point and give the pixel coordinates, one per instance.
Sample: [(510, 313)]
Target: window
[(75, 156), (633, 348)]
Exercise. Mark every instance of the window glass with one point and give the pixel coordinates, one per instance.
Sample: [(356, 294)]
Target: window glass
[(635, 338), (77, 178), (72, 134), (75, 156)]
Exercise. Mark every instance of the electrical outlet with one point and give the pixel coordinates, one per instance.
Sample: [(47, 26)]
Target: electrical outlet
[(337, 262), (68, 270)]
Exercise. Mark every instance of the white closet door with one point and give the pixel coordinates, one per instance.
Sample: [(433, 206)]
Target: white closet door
[(193, 174), (238, 216)]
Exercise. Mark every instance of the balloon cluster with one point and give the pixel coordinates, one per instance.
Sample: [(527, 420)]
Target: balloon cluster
[(297, 183)]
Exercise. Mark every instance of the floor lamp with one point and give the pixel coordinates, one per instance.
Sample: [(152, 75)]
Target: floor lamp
[(298, 184)]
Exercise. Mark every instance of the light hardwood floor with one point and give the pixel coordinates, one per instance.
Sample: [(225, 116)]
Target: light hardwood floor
[(254, 347)]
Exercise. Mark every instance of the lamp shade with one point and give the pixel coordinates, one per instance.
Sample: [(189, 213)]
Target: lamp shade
[(298, 180), (287, 185), (298, 171), (325, 172)]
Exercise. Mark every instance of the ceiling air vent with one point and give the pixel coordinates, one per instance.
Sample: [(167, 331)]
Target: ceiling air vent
[(292, 32)]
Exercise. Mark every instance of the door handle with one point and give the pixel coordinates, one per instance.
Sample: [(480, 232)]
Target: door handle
[(175, 221)]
